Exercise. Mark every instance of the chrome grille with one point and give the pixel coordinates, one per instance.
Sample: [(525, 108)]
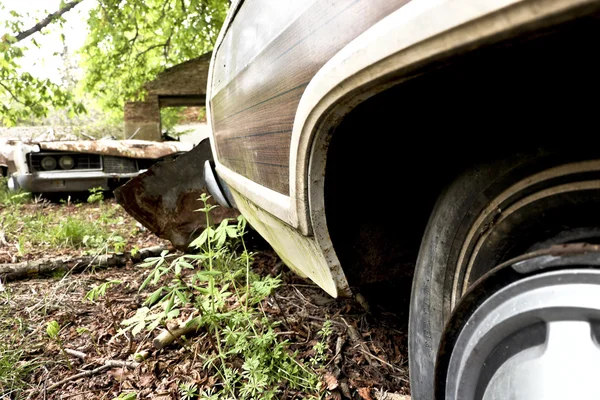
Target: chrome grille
[(119, 165)]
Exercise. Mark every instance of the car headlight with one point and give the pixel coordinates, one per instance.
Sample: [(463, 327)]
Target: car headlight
[(66, 162), (48, 163)]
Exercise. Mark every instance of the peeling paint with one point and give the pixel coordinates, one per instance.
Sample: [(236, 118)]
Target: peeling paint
[(119, 148)]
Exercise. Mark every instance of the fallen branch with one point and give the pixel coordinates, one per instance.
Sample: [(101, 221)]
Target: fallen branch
[(49, 265), (166, 337), (107, 365), (76, 353)]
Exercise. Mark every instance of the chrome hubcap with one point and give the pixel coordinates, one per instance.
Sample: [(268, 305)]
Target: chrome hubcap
[(537, 338)]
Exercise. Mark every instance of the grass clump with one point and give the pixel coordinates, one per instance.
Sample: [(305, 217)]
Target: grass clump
[(76, 233), (45, 227), (8, 198), (14, 370)]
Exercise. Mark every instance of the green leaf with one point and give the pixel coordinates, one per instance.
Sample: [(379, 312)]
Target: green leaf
[(200, 240), (138, 328), (155, 296), (52, 329), (170, 303)]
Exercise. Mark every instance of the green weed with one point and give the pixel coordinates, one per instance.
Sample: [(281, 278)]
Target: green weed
[(8, 198), (248, 356), (77, 233), (96, 195), (13, 367), (53, 332)]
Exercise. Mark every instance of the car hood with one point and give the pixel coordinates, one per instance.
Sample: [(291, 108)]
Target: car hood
[(119, 148)]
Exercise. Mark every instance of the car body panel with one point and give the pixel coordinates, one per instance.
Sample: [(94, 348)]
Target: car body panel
[(263, 95), (273, 120), (119, 148)]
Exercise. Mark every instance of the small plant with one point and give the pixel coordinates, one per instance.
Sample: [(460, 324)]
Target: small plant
[(118, 244), (87, 332), (76, 233), (100, 290), (321, 347), (126, 396), (96, 195), (53, 330), (8, 198), (188, 391), (228, 298)]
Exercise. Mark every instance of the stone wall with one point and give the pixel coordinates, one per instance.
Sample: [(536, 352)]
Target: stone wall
[(142, 120), (181, 85)]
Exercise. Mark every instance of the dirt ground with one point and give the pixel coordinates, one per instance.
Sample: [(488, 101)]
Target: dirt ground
[(367, 350)]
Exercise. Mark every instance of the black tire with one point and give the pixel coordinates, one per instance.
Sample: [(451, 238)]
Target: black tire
[(455, 212), (426, 320)]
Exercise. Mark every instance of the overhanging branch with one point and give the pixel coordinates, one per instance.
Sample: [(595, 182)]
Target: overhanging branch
[(46, 21)]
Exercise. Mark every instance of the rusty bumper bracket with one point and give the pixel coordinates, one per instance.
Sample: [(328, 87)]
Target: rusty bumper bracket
[(165, 197)]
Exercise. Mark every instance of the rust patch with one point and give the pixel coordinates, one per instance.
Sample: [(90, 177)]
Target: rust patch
[(164, 198), (119, 148)]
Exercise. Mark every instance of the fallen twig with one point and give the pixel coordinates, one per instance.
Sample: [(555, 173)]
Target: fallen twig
[(367, 353), (48, 265), (166, 337), (358, 340), (107, 365), (76, 353), (338, 350)]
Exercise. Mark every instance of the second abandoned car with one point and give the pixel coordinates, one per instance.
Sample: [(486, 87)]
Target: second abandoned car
[(72, 166)]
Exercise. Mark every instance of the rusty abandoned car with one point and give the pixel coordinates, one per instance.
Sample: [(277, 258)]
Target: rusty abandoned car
[(73, 166)]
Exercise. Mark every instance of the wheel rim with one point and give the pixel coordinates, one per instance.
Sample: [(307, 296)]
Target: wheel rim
[(535, 338)]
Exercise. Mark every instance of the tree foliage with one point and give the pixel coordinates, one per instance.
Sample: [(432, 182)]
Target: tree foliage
[(131, 41), (21, 94)]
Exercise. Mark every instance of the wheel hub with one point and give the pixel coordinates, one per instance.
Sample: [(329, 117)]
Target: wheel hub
[(537, 338)]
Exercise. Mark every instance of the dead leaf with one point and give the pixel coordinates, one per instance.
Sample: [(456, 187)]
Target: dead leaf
[(365, 393), (145, 380), (120, 374), (331, 381)]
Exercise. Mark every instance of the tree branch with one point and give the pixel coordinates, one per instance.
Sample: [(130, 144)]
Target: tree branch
[(11, 93), (154, 46), (46, 21)]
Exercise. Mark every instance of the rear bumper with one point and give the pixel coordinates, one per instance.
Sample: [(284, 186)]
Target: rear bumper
[(67, 181)]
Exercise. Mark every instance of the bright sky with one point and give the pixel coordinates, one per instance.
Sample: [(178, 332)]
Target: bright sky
[(41, 62)]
